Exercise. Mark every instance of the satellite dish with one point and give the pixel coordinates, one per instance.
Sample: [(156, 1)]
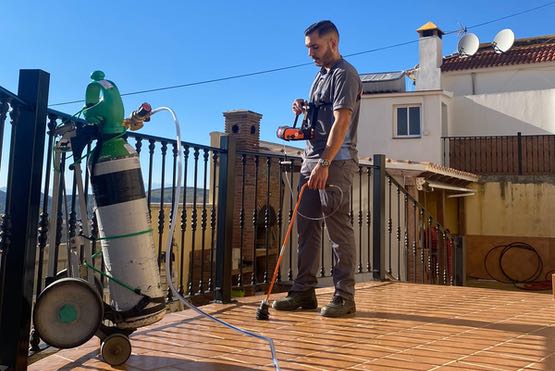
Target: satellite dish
[(468, 45), (503, 41)]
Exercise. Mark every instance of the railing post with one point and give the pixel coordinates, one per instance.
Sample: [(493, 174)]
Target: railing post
[(519, 144), (378, 223), (460, 267), (22, 209), (224, 239)]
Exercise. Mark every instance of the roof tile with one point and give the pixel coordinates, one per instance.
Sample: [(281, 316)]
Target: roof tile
[(524, 51)]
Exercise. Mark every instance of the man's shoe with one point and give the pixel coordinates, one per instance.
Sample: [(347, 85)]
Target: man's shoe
[(339, 307), (297, 299)]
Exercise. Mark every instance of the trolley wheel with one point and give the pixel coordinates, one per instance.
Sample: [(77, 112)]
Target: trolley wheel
[(115, 349), (68, 312)]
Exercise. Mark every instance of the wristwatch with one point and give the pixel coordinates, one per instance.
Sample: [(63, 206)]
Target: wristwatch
[(323, 162)]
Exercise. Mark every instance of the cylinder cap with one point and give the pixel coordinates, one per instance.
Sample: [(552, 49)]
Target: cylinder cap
[(97, 75)]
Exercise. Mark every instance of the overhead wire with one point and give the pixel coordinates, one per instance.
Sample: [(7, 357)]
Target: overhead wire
[(240, 76)]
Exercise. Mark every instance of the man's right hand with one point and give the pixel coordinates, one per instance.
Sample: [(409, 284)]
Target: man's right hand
[(299, 106)]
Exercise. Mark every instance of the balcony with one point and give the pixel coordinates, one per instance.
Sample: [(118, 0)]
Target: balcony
[(398, 326)]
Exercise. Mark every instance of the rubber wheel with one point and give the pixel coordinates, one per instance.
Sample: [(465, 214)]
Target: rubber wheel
[(115, 349), (68, 312)]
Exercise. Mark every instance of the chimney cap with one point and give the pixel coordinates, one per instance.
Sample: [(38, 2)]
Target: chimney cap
[(430, 26)]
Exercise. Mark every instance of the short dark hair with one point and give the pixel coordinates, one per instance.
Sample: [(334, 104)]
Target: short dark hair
[(322, 27)]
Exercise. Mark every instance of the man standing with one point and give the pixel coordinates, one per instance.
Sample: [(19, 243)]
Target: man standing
[(330, 158)]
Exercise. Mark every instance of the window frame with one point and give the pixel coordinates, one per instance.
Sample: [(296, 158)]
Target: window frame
[(396, 121)]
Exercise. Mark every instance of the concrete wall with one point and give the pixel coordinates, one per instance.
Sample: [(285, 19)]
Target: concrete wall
[(376, 126), (500, 80), (512, 207), (506, 211), (530, 112)]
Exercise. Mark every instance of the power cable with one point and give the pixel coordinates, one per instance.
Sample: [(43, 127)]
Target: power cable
[(234, 77), (505, 17)]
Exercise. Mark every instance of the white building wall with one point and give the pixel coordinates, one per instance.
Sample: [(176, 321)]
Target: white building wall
[(529, 112), (500, 79), (376, 127)]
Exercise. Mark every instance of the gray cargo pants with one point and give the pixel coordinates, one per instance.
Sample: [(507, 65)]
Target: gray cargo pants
[(339, 227)]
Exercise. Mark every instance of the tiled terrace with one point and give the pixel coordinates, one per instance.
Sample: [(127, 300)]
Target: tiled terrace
[(398, 326)]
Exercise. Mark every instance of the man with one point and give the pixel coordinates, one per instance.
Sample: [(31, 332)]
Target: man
[(330, 158)]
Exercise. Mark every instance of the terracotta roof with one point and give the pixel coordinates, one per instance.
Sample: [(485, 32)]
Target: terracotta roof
[(524, 51)]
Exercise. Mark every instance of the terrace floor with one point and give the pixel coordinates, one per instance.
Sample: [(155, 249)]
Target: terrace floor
[(398, 326)]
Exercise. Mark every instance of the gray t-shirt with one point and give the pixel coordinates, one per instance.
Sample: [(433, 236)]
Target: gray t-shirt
[(340, 87)]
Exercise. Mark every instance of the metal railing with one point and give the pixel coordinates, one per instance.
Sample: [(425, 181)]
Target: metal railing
[(501, 155)]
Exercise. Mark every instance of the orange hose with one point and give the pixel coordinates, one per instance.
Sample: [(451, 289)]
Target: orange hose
[(285, 240)]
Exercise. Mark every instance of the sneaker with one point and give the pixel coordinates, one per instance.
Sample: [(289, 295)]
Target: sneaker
[(339, 307), (297, 299)]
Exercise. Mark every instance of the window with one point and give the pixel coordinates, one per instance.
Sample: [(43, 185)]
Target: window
[(407, 121)]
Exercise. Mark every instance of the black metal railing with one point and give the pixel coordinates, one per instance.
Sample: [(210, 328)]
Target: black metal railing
[(418, 248), (501, 155)]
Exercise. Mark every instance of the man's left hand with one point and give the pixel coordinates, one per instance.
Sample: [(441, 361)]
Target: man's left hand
[(318, 177)]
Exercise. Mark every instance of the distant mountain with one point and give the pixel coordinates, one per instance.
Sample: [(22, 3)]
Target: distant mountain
[(154, 198), (155, 195)]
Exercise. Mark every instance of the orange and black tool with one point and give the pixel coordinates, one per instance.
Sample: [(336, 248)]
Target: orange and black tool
[(262, 312), (305, 132)]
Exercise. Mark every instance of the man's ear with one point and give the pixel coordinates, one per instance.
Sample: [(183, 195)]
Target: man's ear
[(333, 43)]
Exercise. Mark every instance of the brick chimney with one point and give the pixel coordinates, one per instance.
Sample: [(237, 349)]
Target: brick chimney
[(428, 75), (244, 125)]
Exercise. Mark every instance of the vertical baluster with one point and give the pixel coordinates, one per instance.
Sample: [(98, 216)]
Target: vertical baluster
[(242, 213), (322, 251), (389, 226), (213, 221), (193, 222), (451, 260), (289, 217), (204, 221), (415, 240), (267, 220), (280, 213), (43, 217), (151, 147), (60, 216), (72, 214), (254, 278), (429, 245), (423, 242), (359, 269), (85, 161), (161, 216), (445, 256), (43, 222), (406, 236), (369, 220), (398, 233), (4, 107), (169, 295), (183, 224), (437, 254)]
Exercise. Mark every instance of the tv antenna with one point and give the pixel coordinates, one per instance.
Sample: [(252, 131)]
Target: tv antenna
[(503, 41), (468, 45)]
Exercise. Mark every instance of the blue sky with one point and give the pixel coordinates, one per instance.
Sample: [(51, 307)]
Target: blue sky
[(144, 45)]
